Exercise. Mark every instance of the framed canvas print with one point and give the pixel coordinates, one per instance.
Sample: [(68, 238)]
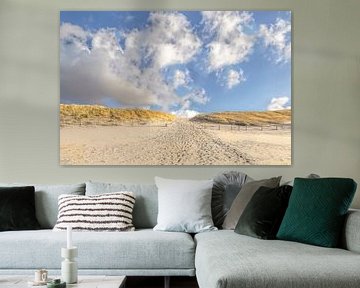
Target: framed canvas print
[(175, 88)]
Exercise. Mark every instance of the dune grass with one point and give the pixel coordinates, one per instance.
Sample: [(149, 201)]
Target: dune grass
[(72, 114), (246, 117)]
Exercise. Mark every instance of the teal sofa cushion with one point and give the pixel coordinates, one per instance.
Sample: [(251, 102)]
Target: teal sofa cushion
[(224, 259), (144, 251), (316, 211)]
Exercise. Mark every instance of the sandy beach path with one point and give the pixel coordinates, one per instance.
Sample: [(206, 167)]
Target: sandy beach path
[(186, 143), (180, 143)]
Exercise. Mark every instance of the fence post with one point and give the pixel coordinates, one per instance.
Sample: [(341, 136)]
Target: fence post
[(219, 126)]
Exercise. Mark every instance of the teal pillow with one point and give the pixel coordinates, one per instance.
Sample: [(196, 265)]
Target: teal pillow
[(316, 211)]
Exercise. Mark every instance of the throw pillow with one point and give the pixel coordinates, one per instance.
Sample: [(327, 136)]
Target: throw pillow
[(46, 200), (243, 198), (184, 205), (317, 209), (17, 209), (106, 212), (311, 176), (263, 215), (225, 189)]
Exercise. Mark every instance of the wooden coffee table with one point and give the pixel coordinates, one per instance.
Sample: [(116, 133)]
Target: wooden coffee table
[(84, 281)]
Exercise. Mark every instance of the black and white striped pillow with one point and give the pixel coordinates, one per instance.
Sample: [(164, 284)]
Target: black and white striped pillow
[(105, 212)]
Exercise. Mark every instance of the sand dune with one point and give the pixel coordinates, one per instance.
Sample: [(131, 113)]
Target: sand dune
[(73, 114), (180, 143), (246, 117)]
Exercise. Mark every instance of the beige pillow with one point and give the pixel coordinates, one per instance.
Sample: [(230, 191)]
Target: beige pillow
[(243, 198)]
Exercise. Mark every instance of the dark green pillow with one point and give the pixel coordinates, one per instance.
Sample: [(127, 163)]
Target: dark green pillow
[(263, 214), (316, 211), (17, 208)]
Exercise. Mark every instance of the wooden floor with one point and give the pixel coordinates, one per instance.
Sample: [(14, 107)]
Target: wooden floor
[(158, 282)]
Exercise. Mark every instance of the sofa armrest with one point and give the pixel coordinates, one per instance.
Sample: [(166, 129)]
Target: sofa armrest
[(351, 234)]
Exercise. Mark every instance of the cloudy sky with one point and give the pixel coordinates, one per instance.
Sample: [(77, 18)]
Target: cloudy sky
[(184, 62)]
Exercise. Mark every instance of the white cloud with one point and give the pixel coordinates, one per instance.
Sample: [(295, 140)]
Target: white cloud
[(98, 74), (277, 38), (132, 74), (106, 40), (168, 39), (185, 113), (196, 96), (74, 35), (230, 45), (181, 78), (235, 78), (279, 103)]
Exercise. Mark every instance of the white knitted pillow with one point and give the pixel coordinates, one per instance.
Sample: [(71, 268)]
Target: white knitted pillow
[(105, 212)]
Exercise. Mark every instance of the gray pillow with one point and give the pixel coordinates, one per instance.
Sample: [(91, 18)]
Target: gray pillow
[(310, 176), (184, 205), (226, 187), (46, 200), (243, 198), (146, 206)]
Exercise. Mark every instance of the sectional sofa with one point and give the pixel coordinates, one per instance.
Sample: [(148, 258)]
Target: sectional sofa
[(219, 259)]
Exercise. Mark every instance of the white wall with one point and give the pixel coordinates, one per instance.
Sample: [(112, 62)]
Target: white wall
[(326, 90)]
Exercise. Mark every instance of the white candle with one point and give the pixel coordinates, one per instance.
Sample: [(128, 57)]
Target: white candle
[(69, 239)]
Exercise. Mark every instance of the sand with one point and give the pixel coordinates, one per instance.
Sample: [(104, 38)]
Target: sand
[(180, 143)]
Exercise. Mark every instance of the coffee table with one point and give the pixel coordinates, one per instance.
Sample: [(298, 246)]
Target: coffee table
[(84, 281)]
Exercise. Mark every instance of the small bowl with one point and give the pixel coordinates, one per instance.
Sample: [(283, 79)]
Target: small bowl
[(56, 283)]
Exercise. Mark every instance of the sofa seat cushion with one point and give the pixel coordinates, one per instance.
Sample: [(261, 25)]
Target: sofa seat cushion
[(142, 249), (226, 259)]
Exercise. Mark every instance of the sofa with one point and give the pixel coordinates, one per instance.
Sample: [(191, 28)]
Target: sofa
[(218, 258)]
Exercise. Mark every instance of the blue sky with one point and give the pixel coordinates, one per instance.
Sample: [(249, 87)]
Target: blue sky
[(184, 62)]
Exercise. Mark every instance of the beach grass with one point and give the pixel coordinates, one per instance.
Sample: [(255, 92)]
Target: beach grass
[(251, 118), (73, 114)]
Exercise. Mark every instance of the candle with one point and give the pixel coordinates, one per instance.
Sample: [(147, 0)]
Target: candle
[(69, 239)]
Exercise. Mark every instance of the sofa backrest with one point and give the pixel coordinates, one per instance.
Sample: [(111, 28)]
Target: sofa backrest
[(46, 200), (146, 203)]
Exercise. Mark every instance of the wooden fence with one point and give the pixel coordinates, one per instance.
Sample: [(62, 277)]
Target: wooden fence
[(227, 127)]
